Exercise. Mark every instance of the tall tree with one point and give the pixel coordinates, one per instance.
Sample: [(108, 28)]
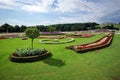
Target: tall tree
[(23, 27), (5, 27), (51, 29), (17, 28)]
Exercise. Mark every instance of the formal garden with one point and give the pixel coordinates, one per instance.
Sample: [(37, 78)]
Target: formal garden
[(59, 56)]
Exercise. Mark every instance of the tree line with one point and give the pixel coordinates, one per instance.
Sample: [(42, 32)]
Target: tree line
[(9, 28), (57, 27)]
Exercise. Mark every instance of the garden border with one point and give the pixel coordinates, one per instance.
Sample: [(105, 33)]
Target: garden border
[(94, 48), (29, 58)]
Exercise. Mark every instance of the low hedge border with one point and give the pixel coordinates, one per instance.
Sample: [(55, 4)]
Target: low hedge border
[(71, 40), (29, 58)]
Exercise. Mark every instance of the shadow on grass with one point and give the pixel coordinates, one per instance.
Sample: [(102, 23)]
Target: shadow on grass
[(54, 62), (116, 78)]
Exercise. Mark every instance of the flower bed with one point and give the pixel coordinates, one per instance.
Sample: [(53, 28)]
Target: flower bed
[(51, 33), (29, 55), (52, 37), (81, 35), (56, 41), (3, 37), (86, 35), (104, 41), (6, 36), (14, 58)]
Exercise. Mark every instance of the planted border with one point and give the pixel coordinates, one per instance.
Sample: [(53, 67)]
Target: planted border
[(81, 35), (29, 58), (52, 33), (85, 48)]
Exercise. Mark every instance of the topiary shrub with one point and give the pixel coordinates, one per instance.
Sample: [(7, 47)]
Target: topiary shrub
[(32, 33)]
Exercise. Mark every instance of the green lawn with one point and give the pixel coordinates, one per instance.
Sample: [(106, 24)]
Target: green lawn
[(64, 64)]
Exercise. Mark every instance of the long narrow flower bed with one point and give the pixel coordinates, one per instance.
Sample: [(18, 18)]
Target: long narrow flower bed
[(51, 33), (102, 42), (6, 36), (81, 35)]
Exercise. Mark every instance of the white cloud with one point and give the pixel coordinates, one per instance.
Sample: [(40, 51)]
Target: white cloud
[(94, 11), (74, 5), (42, 6), (34, 8), (45, 5), (28, 6), (7, 2), (84, 18), (62, 5)]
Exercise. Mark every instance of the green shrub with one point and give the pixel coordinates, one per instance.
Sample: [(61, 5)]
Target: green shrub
[(32, 33), (29, 52)]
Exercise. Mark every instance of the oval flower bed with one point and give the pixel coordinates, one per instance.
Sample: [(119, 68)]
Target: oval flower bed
[(52, 37), (6, 36), (29, 55), (51, 33), (81, 35), (3, 37), (103, 42), (57, 41)]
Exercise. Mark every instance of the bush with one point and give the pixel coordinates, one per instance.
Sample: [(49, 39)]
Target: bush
[(29, 52)]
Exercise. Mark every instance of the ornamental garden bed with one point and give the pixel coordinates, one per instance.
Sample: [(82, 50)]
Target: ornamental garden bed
[(51, 33), (101, 43), (52, 37), (3, 37), (57, 41), (31, 58), (81, 35), (6, 36)]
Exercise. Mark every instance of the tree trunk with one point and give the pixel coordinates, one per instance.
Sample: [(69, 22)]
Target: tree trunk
[(7, 30), (32, 44)]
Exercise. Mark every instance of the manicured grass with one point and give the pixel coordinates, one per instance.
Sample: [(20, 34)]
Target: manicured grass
[(64, 64)]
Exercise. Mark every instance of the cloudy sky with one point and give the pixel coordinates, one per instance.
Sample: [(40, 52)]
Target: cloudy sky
[(37, 12)]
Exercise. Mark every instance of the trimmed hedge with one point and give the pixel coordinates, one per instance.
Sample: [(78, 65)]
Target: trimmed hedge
[(29, 58)]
